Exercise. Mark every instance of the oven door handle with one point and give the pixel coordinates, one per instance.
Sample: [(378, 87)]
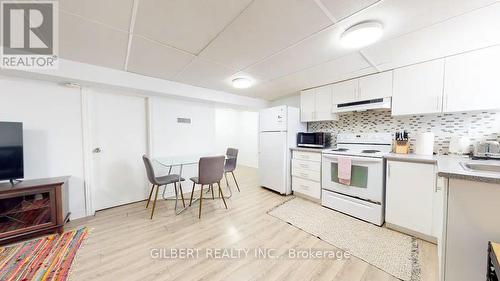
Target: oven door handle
[(358, 159)]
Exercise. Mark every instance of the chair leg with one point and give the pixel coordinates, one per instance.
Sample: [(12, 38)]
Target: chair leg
[(212, 188), (182, 196), (192, 192), (237, 186), (225, 176), (150, 194), (154, 202), (222, 195), (201, 199)]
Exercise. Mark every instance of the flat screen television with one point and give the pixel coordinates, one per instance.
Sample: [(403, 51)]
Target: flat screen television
[(11, 151)]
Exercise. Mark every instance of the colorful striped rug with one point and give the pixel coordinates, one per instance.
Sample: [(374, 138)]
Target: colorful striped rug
[(47, 258)]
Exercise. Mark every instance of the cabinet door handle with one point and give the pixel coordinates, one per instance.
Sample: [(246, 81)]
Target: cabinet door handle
[(304, 186), (388, 170), (303, 175)]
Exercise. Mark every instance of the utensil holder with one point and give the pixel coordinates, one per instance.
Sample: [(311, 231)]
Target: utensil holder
[(402, 147)]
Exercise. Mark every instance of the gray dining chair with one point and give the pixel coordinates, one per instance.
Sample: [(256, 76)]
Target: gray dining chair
[(160, 181), (230, 166), (210, 172)]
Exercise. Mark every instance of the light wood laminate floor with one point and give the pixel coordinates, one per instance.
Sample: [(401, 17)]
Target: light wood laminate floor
[(119, 247)]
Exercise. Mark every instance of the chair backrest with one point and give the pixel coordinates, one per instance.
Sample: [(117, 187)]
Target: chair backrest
[(149, 169), (210, 169), (232, 157)]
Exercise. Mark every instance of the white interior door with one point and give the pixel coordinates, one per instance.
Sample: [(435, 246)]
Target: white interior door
[(272, 161), (119, 139)]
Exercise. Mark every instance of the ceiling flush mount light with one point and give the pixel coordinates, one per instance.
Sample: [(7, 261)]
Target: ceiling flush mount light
[(361, 34), (241, 83)]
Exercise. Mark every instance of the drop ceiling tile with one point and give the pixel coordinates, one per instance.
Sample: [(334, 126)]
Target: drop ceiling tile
[(116, 13), (264, 28), (477, 29), (154, 59), (206, 74), (186, 24), (315, 50), (84, 41), (401, 17), (346, 67), (342, 68), (341, 9)]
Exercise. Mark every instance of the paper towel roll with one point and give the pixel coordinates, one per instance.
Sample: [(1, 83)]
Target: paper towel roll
[(425, 143)]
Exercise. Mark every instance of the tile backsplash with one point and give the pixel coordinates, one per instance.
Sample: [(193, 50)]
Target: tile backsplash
[(476, 126)]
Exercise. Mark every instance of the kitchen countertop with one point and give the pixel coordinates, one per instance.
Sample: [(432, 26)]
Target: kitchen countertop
[(449, 166), (415, 158), (308, 149)]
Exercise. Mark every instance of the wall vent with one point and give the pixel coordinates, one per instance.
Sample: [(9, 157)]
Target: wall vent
[(184, 120)]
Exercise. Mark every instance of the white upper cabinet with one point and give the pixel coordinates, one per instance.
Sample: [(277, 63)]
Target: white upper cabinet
[(375, 86), (345, 92), (418, 89), (362, 89), (307, 105), (324, 104), (472, 81), (316, 104)]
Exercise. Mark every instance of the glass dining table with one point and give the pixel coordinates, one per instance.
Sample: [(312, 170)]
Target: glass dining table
[(181, 161)]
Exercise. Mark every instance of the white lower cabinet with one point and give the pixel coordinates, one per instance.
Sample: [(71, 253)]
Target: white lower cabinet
[(306, 173), (471, 222), (413, 200), (306, 187)]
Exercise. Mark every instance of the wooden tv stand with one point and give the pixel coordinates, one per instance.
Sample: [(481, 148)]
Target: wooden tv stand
[(33, 207)]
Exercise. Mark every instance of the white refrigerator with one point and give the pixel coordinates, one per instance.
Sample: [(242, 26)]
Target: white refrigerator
[(278, 129)]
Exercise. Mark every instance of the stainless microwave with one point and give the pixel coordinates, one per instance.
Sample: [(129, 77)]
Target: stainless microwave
[(314, 140)]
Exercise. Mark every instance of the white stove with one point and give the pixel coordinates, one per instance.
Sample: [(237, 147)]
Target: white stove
[(365, 145), (364, 196)]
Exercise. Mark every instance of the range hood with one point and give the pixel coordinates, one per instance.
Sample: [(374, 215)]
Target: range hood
[(375, 104)]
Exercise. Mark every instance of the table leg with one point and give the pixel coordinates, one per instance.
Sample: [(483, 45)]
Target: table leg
[(177, 184)]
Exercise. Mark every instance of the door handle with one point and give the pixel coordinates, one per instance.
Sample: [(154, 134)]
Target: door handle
[(97, 150)]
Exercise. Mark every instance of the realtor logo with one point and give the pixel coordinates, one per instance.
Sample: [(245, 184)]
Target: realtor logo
[(29, 34)]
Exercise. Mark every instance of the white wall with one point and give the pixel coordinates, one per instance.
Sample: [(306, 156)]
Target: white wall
[(238, 129), (51, 117), (53, 142), (293, 101), (170, 138)]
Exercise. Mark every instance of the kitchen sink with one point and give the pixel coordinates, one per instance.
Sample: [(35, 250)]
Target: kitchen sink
[(481, 167)]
